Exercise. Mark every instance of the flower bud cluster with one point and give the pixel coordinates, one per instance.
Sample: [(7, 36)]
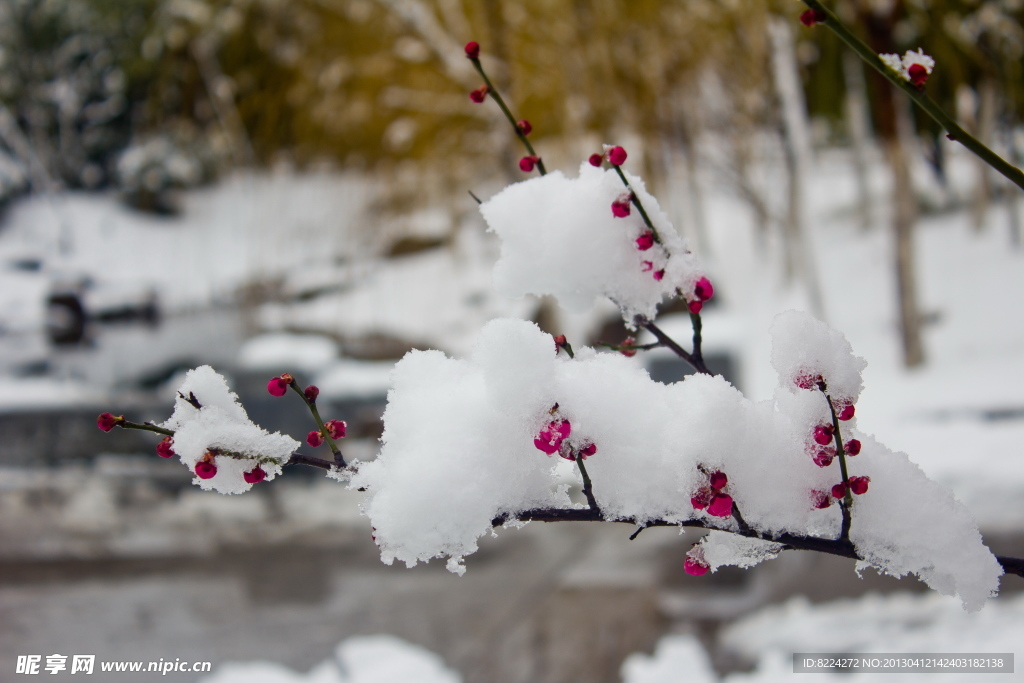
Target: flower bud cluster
[(695, 564), (712, 496), (554, 438)]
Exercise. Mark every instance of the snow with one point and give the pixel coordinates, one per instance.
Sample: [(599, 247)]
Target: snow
[(675, 656), (348, 379), (722, 549), (804, 349), (559, 237), (361, 659), (284, 352)]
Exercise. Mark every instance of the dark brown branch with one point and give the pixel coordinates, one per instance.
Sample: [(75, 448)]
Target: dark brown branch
[(668, 342), (310, 461), (830, 546)]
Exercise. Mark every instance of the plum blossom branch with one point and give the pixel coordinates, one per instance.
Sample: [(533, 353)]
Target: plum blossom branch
[(847, 502), (927, 104), (521, 127), (841, 547), (328, 431), (634, 199)]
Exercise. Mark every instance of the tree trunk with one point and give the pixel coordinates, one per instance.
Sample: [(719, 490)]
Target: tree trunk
[(856, 106), (904, 216), (878, 22), (799, 252)]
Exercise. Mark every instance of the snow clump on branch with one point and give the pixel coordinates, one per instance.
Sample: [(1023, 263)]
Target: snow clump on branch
[(214, 437), (558, 237), (459, 450)]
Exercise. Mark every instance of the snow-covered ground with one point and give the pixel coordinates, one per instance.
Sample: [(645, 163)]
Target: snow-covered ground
[(899, 623)]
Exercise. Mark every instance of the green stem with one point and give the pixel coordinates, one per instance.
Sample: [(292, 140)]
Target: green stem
[(848, 497), (698, 326), (955, 132), (146, 427), (637, 204), (588, 487), (338, 458), (493, 92)]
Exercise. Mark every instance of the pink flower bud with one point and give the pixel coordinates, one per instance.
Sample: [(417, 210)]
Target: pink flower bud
[(617, 156), (620, 208), (645, 241), (596, 160), (480, 94), (820, 500), (721, 505), (524, 126), (659, 275), (315, 438), (695, 564), (164, 450), (846, 413), (254, 476), (311, 393), (473, 49), (718, 480), (548, 447), (336, 428), (551, 437), (859, 485), (205, 470), (526, 164), (278, 386), (811, 17), (839, 490), (627, 349), (703, 290), (695, 307), (587, 451), (823, 434), (559, 342), (918, 75), (852, 447), (808, 381), (106, 421), (702, 498), (646, 266), (824, 456)]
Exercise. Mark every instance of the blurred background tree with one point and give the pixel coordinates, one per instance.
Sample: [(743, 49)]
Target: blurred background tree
[(377, 84), (146, 96)]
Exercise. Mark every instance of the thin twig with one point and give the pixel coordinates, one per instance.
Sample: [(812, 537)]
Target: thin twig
[(147, 427), (493, 92), (697, 363), (588, 487), (310, 461), (636, 202), (847, 501), (339, 459)]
